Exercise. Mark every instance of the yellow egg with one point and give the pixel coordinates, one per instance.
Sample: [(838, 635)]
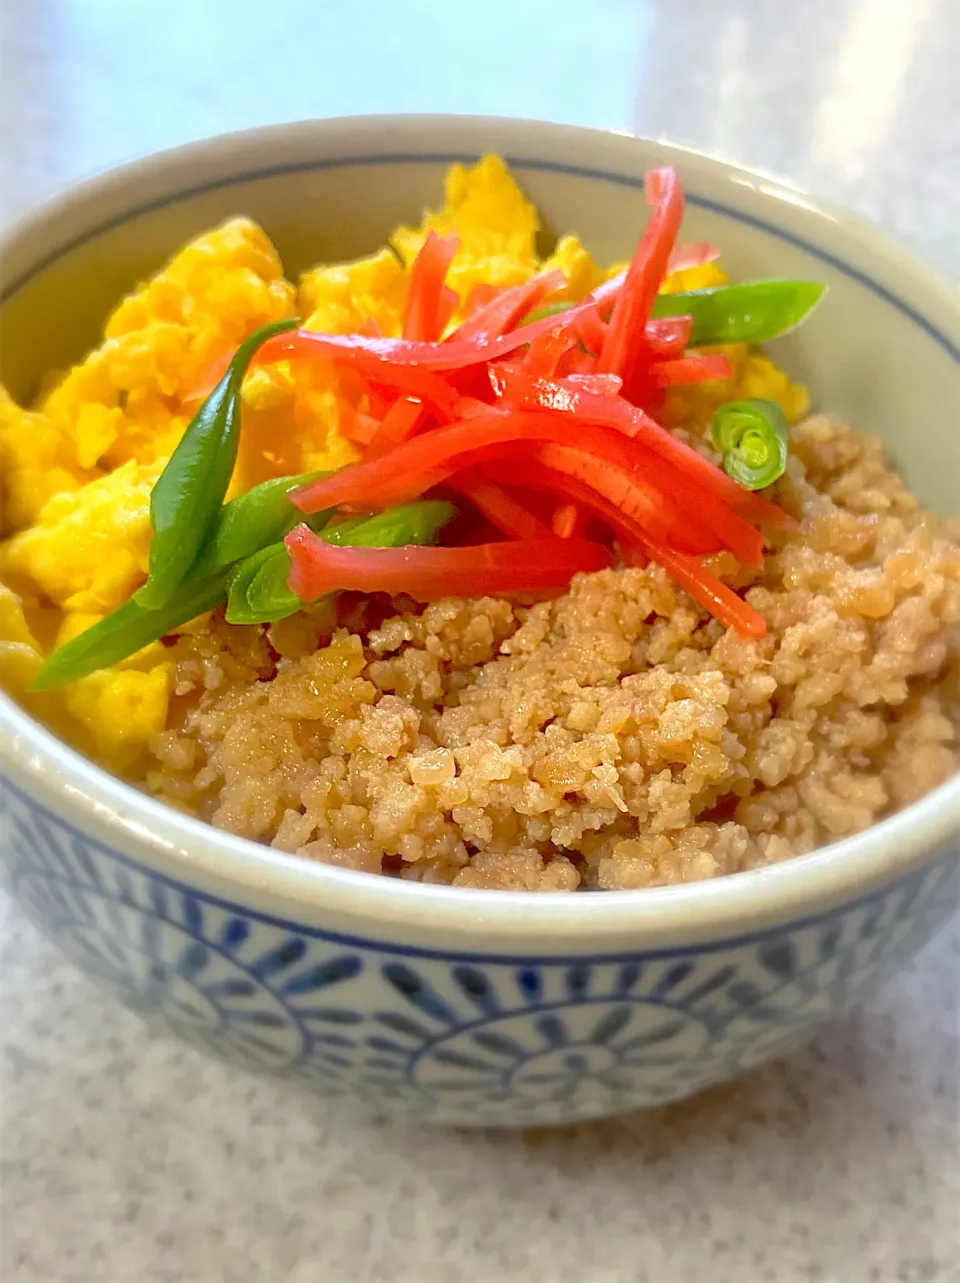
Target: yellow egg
[(126, 399), (121, 709), (20, 655), (344, 297), (577, 265), (704, 277), (88, 550), (116, 710), (293, 410), (37, 461), (754, 376), (495, 224), (291, 421)]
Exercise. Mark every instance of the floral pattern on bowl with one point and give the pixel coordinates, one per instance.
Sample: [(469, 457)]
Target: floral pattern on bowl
[(464, 1039)]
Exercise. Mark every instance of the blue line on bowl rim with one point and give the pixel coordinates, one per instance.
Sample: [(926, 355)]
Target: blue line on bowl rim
[(413, 951), (518, 162)]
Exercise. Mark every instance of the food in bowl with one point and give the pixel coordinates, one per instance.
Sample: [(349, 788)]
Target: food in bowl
[(468, 566)]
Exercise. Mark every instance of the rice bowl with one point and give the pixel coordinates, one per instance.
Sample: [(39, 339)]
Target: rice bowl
[(214, 931)]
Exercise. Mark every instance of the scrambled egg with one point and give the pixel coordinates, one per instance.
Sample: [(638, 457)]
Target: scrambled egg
[(126, 399), (704, 277), (120, 709), (76, 468), (37, 461), (345, 297), (293, 412), (88, 549), (112, 713), (497, 228), (577, 265), (20, 652)]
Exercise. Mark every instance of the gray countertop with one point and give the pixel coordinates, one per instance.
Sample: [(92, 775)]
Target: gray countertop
[(127, 1158)]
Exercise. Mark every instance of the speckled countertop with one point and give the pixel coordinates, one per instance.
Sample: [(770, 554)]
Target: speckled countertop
[(127, 1158)]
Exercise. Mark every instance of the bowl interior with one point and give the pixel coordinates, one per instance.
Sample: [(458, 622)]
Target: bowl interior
[(882, 352)]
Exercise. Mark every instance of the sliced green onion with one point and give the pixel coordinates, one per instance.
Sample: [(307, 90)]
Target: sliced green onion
[(411, 523), (750, 312), (258, 592), (254, 519), (752, 436)]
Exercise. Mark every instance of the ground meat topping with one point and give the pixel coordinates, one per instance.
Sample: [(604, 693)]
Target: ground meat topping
[(616, 737)]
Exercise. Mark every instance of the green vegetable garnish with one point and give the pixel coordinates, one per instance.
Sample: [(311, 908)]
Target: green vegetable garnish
[(187, 496), (258, 592), (244, 525), (753, 437), (410, 523), (253, 520), (753, 312)]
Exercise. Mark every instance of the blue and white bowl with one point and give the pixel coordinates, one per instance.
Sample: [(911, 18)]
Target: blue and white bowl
[(472, 1007)]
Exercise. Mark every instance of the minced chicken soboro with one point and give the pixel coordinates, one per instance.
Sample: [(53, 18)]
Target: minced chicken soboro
[(614, 737)]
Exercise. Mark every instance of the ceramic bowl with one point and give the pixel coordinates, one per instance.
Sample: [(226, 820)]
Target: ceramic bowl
[(463, 1006)]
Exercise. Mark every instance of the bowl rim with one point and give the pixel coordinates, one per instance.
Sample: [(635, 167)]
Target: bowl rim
[(844, 870)]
